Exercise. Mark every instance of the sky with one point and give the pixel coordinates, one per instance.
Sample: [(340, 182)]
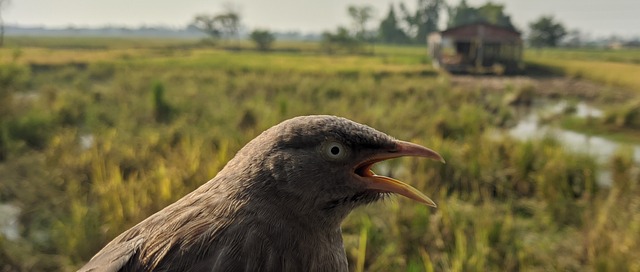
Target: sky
[(598, 18)]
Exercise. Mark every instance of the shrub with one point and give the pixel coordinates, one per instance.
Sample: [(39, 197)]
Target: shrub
[(340, 40), (34, 129), (263, 39), (162, 110)]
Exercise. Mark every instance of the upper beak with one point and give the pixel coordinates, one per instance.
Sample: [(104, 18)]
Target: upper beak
[(387, 184)]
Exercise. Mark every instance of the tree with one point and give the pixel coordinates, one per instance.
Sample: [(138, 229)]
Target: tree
[(573, 38), (207, 24), (489, 13), (224, 25), (390, 31), (546, 32), (263, 39), (462, 14), (229, 23), (3, 4), (360, 16), (494, 14), (424, 20)]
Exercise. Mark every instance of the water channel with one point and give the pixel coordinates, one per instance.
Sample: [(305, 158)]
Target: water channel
[(602, 149)]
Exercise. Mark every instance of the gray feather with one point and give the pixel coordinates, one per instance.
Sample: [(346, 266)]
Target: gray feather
[(265, 211)]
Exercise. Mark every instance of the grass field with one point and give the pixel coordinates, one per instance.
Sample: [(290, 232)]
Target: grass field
[(97, 134), (612, 67), (631, 56)]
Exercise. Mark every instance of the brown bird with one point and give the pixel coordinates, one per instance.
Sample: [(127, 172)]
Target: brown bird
[(276, 206)]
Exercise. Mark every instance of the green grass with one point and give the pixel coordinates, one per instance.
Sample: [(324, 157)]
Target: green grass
[(94, 43), (597, 127), (630, 56), (163, 120), (610, 67)]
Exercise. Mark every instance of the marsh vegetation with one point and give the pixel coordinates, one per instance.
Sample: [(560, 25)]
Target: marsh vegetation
[(94, 139)]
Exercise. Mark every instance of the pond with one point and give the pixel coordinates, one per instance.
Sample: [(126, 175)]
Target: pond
[(9, 221), (529, 127)]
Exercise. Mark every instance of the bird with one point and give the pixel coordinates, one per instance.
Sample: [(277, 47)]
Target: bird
[(277, 205)]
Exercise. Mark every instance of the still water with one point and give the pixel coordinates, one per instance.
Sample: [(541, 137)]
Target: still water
[(602, 149)]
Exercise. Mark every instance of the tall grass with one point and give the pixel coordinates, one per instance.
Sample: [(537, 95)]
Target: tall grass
[(104, 163)]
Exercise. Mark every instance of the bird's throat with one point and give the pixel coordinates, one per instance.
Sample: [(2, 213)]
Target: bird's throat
[(352, 201)]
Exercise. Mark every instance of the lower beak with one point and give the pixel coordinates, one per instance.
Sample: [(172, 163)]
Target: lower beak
[(387, 184)]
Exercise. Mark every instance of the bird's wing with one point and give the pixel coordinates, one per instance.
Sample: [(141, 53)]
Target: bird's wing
[(114, 256)]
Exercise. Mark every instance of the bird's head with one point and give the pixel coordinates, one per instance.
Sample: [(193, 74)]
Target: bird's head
[(322, 164)]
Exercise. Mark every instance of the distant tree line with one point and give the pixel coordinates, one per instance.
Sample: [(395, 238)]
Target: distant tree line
[(226, 25), (400, 25), (404, 26)]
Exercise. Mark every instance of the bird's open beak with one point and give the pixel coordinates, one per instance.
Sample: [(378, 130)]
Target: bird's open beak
[(387, 184)]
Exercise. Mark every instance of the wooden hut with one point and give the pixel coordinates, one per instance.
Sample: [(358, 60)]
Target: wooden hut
[(477, 48)]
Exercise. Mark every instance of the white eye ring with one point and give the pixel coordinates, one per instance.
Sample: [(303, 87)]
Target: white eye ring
[(334, 150)]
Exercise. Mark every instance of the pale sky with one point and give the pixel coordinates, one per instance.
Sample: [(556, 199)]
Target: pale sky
[(596, 17)]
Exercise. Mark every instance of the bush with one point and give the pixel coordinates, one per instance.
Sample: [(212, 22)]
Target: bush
[(13, 78), (162, 110), (34, 129), (340, 40), (101, 70), (263, 39)]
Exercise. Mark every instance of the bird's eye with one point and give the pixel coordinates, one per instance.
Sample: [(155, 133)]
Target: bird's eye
[(334, 150)]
